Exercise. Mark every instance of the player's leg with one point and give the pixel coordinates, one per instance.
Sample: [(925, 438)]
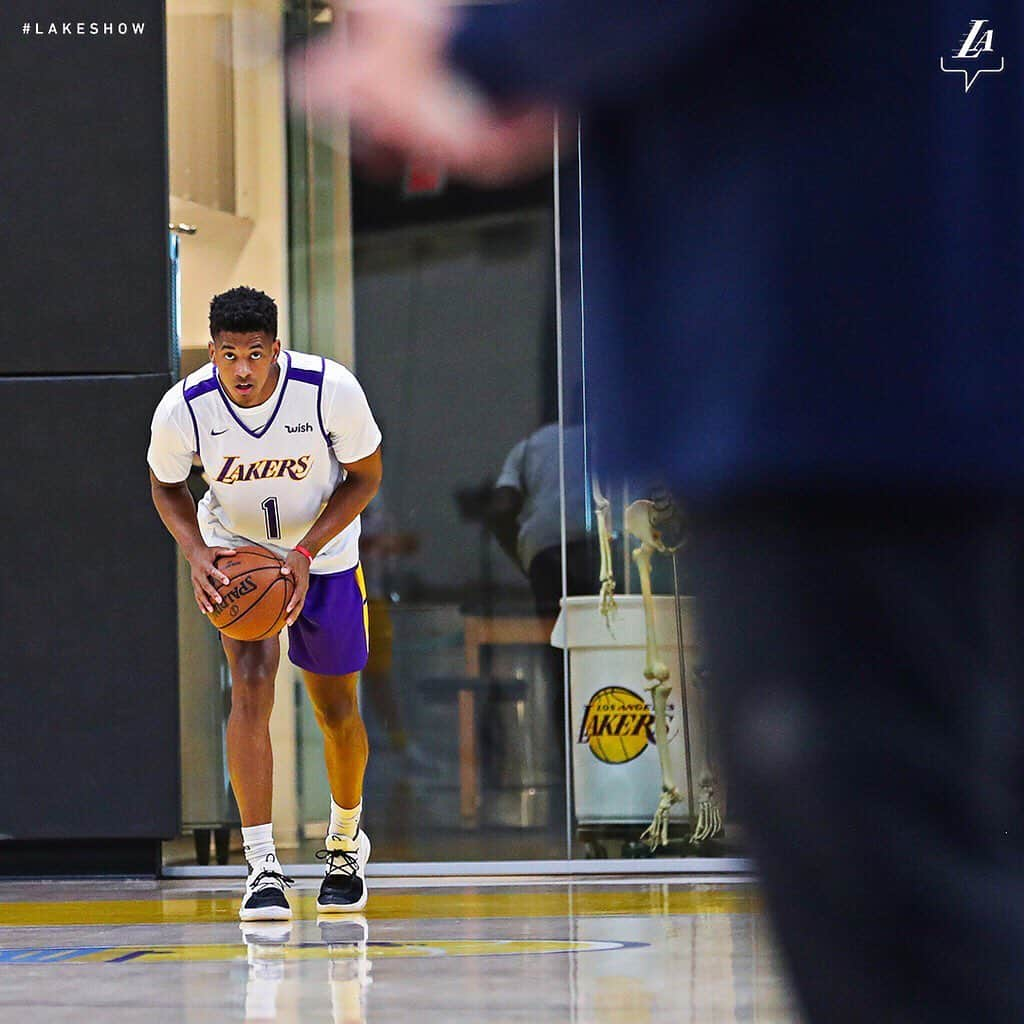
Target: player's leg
[(328, 643), (346, 749), (251, 767)]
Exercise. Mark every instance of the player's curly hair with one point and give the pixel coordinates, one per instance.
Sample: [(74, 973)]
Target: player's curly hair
[(243, 309)]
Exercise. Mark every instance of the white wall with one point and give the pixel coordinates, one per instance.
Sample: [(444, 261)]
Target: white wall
[(232, 51), (229, 180)]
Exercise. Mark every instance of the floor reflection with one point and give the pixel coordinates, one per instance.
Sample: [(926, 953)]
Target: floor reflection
[(348, 972), (597, 953)]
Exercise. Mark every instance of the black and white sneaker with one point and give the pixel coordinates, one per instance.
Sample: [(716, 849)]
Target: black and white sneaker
[(344, 886), (264, 898)]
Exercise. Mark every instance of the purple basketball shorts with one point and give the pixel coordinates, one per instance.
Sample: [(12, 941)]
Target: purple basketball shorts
[(331, 636)]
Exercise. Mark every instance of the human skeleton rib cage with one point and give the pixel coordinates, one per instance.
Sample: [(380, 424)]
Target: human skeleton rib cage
[(647, 521)]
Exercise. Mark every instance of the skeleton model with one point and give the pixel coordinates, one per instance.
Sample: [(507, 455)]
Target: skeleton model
[(603, 511), (643, 520)]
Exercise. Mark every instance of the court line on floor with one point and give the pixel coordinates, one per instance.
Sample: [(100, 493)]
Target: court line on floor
[(658, 900)]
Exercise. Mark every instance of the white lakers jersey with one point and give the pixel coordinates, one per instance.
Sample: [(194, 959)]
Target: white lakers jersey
[(271, 468)]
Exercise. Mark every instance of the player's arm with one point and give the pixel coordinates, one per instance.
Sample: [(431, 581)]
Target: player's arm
[(403, 74), (177, 510), (350, 497)]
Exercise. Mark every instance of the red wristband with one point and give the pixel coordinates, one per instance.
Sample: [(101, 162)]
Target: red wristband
[(302, 551)]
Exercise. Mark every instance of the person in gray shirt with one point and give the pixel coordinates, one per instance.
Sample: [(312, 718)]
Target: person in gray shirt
[(525, 515)]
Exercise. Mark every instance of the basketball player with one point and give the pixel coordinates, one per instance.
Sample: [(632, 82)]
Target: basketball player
[(292, 453)]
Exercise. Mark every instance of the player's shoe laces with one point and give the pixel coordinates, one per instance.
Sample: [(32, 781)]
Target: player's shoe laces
[(264, 898), (344, 886)]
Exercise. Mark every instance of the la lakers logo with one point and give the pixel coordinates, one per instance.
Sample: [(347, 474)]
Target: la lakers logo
[(976, 55), (617, 725), (233, 471)]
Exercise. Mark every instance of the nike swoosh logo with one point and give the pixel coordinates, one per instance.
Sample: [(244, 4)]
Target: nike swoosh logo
[(215, 433)]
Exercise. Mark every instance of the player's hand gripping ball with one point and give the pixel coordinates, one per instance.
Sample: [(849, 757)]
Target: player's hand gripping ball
[(253, 603)]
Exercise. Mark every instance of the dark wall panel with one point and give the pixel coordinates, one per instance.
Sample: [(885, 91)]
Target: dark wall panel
[(87, 615), (84, 197)]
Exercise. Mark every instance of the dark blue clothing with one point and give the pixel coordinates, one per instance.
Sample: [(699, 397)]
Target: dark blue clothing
[(867, 663), (803, 243), (802, 252)]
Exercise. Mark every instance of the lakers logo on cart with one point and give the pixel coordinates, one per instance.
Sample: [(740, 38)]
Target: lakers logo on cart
[(617, 725)]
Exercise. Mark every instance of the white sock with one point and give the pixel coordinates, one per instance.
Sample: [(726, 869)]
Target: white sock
[(344, 820), (258, 842)]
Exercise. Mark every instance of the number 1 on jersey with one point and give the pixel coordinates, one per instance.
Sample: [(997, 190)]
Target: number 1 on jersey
[(273, 518)]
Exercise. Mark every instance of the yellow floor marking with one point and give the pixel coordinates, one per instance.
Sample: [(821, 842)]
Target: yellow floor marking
[(655, 900), (159, 953)]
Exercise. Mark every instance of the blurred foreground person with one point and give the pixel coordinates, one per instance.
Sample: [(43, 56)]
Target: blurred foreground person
[(803, 241)]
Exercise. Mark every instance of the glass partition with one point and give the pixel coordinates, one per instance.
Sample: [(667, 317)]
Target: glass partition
[(442, 300), (646, 775), (227, 204), (507, 696)]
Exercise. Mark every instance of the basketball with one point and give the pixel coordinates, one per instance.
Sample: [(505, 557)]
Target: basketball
[(254, 601)]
